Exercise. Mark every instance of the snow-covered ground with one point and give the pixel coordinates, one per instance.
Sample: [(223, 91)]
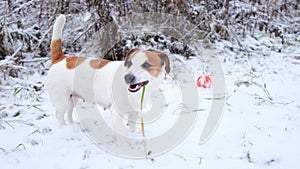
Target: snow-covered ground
[(260, 127)]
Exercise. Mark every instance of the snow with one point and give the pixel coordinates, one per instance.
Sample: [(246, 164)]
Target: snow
[(259, 129)]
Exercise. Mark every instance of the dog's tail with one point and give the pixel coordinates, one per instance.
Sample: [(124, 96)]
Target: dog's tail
[(56, 42)]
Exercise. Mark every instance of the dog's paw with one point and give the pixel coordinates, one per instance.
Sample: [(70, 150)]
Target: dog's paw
[(132, 129)]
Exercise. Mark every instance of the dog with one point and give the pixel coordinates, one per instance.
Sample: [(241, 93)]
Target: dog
[(115, 85)]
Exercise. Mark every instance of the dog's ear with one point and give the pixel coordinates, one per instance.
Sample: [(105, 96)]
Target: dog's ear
[(165, 60), (128, 56)]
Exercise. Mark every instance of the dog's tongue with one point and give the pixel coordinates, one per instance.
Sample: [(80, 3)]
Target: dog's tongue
[(135, 87)]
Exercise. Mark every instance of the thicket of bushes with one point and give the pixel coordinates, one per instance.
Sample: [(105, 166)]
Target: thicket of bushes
[(26, 25)]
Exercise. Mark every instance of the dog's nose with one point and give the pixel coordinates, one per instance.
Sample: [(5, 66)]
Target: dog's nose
[(129, 78)]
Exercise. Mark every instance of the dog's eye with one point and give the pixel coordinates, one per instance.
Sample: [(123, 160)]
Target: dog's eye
[(146, 65), (128, 63)]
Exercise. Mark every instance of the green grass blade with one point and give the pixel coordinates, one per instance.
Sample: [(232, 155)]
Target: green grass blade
[(142, 120), (142, 98), (20, 145), (17, 91)]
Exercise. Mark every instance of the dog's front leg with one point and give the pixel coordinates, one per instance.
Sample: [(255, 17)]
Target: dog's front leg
[(118, 125), (132, 117)]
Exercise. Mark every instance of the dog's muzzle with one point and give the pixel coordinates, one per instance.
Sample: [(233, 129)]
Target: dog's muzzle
[(129, 78), (133, 86)]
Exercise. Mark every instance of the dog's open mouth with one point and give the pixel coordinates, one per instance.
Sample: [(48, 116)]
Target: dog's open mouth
[(136, 87)]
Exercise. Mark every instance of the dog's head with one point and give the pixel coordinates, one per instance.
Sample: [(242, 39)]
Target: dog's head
[(145, 67)]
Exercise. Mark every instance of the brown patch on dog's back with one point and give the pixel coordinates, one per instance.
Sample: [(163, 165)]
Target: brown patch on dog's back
[(73, 61), (59, 59), (98, 63)]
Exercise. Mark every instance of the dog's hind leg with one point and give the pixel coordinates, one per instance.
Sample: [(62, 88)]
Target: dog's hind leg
[(60, 118), (72, 103), (61, 105)]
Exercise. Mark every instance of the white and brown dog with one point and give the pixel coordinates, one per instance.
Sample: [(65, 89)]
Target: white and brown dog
[(112, 84)]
